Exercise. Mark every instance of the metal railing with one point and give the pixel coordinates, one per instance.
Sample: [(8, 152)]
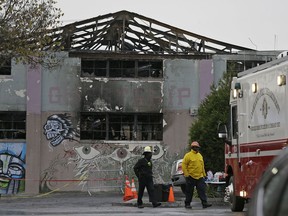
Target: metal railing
[(99, 180)]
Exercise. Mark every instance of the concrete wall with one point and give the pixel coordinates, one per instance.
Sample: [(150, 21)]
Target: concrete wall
[(53, 100), (186, 84), (13, 89)]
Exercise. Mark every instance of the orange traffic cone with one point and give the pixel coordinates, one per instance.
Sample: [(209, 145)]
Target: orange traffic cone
[(171, 195), (128, 195), (134, 192)]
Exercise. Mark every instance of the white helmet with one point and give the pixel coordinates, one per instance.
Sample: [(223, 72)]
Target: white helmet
[(147, 149)]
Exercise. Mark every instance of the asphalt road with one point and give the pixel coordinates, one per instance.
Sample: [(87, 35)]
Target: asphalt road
[(103, 203)]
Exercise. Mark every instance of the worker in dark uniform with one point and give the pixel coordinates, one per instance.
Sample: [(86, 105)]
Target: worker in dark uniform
[(143, 171)]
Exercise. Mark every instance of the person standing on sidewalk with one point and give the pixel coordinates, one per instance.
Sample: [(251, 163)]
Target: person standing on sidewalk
[(143, 171), (194, 172)]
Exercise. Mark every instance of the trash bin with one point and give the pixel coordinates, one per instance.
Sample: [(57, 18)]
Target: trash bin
[(161, 192), (158, 192), (165, 192)]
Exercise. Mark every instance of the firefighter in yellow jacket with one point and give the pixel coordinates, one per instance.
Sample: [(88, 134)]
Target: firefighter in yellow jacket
[(194, 172)]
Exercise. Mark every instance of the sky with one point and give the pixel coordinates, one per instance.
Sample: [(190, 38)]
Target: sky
[(256, 24)]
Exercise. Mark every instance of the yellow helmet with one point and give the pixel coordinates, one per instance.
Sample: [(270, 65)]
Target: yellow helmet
[(147, 149), (195, 144)]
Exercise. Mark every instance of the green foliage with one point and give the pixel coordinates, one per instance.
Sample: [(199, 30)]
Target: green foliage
[(213, 109), (25, 29)]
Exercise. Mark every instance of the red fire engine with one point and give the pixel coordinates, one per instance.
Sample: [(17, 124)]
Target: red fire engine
[(258, 127)]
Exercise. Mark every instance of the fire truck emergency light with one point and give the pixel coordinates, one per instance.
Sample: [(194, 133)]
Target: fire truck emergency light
[(254, 87), (281, 80), (234, 93), (243, 193)]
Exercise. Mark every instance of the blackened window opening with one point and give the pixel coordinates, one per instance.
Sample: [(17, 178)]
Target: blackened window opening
[(150, 69), (93, 68), (121, 68), (239, 66), (93, 126), (119, 126), (12, 125), (5, 66)]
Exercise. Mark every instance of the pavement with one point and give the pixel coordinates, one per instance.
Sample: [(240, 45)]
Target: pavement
[(177, 203), (102, 203), (103, 198)]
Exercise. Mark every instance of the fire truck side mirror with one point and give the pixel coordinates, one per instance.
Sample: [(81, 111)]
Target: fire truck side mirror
[(223, 133)]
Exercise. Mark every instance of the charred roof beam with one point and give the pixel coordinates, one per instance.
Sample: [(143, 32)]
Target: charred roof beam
[(124, 29)]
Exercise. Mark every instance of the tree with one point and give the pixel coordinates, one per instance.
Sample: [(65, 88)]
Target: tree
[(25, 29), (212, 110)]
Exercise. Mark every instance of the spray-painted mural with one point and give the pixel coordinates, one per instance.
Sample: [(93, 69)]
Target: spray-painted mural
[(98, 165), (59, 127), (102, 166), (12, 167)]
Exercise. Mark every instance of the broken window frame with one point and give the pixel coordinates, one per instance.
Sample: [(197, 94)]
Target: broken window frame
[(93, 125), (91, 68), (149, 127), (239, 66), (149, 69), (12, 125), (122, 68), (122, 126)]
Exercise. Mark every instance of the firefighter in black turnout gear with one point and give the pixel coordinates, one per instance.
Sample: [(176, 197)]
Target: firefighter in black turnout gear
[(143, 171)]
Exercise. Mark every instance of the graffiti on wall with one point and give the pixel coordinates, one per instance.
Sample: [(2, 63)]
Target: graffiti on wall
[(103, 166), (95, 165), (59, 127), (179, 97), (12, 167)]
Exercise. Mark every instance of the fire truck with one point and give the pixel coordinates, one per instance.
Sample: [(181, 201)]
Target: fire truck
[(258, 127)]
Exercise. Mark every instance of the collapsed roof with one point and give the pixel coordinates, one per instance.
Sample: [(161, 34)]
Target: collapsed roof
[(124, 31)]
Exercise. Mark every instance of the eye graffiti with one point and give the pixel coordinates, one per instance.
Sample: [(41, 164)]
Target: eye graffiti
[(122, 153), (87, 152), (158, 152), (95, 161), (58, 128)]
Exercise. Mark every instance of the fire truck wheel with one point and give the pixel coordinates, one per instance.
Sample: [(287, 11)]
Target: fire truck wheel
[(237, 202)]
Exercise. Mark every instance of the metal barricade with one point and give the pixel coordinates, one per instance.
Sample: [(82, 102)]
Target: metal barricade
[(104, 180)]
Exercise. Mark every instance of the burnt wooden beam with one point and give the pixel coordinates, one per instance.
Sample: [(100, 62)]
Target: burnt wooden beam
[(124, 30)]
